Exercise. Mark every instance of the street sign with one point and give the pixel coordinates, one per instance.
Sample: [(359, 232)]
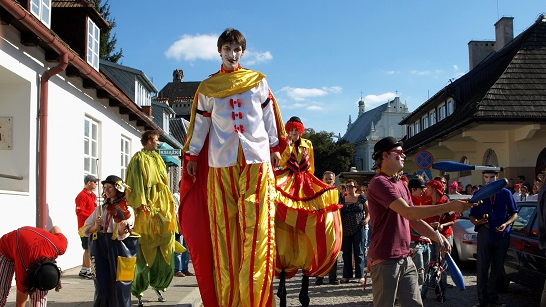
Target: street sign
[(426, 174), (169, 152), (424, 159)]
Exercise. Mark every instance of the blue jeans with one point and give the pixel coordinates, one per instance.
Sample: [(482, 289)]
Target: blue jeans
[(366, 233), (181, 261), (352, 245)]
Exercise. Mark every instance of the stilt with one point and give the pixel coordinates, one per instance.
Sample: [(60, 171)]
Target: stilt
[(281, 292), (160, 297), (304, 292)]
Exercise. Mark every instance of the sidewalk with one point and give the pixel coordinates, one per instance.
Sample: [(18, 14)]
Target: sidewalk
[(76, 291)]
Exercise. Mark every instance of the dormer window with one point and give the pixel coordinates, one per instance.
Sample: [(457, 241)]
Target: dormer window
[(441, 112), (450, 106), (143, 98), (93, 39), (42, 10), (432, 117)]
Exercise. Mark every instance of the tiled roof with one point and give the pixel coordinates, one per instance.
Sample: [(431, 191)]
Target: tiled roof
[(124, 77), (179, 128), (178, 91), (509, 86), (361, 128)]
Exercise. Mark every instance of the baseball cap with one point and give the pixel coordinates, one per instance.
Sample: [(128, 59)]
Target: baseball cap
[(89, 177), (437, 186)]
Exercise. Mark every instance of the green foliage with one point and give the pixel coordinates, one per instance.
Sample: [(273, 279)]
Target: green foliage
[(329, 154), (108, 39)]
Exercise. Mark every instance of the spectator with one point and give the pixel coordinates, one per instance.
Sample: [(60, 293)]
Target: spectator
[(493, 228), (352, 218), (453, 188), (85, 205), (517, 192), (30, 254), (329, 178), (366, 228), (468, 189), (420, 245), (443, 224)]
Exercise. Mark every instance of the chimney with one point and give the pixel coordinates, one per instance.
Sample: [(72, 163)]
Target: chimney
[(504, 32), (479, 50), (178, 75)]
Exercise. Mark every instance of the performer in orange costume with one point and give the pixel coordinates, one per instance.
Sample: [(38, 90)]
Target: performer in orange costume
[(307, 221), (232, 145)]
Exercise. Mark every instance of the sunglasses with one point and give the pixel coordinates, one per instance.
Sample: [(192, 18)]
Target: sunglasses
[(397, 151)]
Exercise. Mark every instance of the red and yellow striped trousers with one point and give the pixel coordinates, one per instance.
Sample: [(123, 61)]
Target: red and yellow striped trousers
[(242, 214)]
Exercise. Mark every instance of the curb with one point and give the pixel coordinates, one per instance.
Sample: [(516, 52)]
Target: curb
[(193, 299)]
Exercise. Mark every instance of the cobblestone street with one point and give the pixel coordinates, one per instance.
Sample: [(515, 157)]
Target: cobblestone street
[(351, 294)]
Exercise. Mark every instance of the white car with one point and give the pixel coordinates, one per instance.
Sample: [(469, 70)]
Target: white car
[(465, 239)]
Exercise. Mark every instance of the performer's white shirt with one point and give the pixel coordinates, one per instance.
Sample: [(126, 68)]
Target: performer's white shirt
[(247, 123)]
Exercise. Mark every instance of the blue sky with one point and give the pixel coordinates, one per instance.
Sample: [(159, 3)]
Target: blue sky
[(319, 56)]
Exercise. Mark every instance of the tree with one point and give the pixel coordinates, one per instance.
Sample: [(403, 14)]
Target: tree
[(329, 155), (108, 39)]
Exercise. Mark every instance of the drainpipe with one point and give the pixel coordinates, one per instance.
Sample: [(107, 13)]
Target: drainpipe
[(42, 141)]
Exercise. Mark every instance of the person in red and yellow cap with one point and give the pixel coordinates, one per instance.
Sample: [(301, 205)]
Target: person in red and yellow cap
[(443, 224)]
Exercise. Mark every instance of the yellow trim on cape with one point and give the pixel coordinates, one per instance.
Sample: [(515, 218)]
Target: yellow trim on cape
[(222, 85)]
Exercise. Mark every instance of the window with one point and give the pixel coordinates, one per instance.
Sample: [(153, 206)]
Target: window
[(432, 117), (125, 155), (522, 224), (90, 146), (424, 121), (166, 119), (42, 10), (142, 96), (450, 106), (411, 132), (416, 127), (93, 38), (441, 112)]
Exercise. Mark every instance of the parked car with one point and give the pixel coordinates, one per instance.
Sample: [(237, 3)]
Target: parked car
[(465, 239), (525, 263)]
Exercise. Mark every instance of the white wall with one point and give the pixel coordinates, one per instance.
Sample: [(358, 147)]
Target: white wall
[(69, 104)]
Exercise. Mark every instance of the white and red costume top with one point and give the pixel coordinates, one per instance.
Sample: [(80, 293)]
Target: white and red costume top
[(246, 118)]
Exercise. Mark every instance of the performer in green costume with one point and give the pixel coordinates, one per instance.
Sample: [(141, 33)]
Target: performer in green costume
[(155, 218)]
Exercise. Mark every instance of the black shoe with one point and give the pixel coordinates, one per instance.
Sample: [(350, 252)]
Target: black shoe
[(319, 281), (480, 305), (441, 298), (497, 304), (334, 282)]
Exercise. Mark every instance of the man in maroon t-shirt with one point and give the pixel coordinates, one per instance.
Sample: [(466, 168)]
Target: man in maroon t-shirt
[(393, 272)]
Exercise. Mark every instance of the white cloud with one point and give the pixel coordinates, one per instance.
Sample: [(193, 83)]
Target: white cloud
[(194, 47), (421, 73), (374, 100), (252, 57), (301, 94), (203, 47)]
